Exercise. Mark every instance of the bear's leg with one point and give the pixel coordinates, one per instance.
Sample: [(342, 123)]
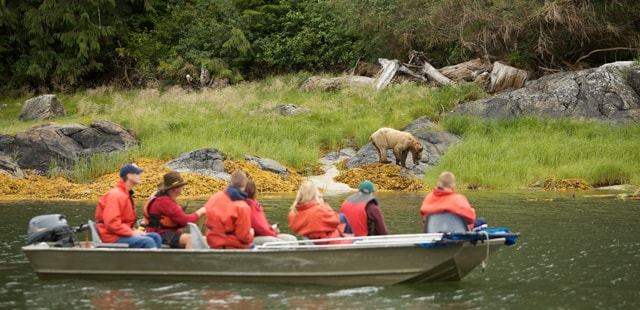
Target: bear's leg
[(403, 158), (382, 156), (398, 154)]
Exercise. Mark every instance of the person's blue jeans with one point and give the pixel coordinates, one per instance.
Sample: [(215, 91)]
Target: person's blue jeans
[(343, 219), (150, 241)]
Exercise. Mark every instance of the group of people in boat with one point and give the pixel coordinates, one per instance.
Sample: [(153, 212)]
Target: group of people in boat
[(234, 218)]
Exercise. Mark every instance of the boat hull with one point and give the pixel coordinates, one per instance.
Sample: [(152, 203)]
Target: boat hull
[(350, 265)]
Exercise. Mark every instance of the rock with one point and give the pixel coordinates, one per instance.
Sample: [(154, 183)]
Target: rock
[(42, 107), (608, 93), (208, 161), (10, 167), (38, 147), (291, 109), (268, 165)]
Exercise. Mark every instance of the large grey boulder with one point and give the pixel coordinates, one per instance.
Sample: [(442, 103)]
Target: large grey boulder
[(435, 143), (37, 147), (209, 161), (42, 107), (608, 93), (268, 164)]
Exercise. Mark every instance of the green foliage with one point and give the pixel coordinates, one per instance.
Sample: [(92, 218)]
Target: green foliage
[(310, 39), (513, 153), (521, 59)]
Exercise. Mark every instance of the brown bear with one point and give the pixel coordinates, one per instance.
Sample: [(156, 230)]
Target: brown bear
[(401, 142)]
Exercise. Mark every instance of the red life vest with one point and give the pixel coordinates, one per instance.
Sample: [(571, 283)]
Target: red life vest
[(354, 207)]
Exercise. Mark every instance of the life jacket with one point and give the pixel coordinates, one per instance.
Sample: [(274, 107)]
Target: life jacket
[(156, 220), (441, 200), (354, 207)]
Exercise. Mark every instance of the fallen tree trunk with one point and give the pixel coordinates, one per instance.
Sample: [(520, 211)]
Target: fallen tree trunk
[(434, 75), (504, 77), (389, 68), (466, 71)]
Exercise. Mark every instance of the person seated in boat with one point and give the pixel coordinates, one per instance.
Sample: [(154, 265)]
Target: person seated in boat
[(263, 231), (311, 217), (163, 214), (228, 218), (363, 212), (443, 198), (116, 213)]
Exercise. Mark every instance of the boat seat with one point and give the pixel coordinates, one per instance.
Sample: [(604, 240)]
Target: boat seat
[(197, 239), (97, 241), (444, 223)]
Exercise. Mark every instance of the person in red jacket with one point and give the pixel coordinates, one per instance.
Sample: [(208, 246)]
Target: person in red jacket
[(116, 213), (229, 216), (163, 214), (263, 231), (363, 212), (444, 199), (310, 216)]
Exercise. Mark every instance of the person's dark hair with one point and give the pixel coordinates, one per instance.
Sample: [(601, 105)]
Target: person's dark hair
[(250, 189)]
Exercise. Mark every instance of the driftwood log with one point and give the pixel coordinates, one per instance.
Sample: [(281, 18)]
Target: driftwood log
[(466, 71), (504, 77)]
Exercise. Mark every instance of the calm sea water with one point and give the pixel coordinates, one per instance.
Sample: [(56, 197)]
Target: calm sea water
[(577, 251)]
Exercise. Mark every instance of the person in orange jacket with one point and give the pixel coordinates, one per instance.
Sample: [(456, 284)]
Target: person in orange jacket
[(116, 213), (444, 199), (310, 216), (228, 218)]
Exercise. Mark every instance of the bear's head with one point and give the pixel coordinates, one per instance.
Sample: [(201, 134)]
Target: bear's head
[(416, 152)]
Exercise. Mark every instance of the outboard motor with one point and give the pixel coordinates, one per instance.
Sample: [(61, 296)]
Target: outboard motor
[(51, 228)]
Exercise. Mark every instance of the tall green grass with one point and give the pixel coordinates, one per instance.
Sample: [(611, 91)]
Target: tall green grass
[(520, 152), (243, 119)]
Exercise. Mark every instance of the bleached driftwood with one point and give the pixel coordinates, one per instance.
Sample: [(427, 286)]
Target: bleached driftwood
[(466, 71), (420, 59), (389, 68), (435, 75), (504, 77)]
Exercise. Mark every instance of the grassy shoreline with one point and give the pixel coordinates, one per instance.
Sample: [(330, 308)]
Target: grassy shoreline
[(244, 119)]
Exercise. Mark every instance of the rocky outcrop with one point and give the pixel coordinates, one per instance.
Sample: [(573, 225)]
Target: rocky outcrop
[(609, 93), (268, 164), (38, 147), (10, 167), (436, 143), (208, 161), (42, 107)]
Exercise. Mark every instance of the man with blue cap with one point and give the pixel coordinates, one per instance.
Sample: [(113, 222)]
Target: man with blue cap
[(116, 213), (363, 212)]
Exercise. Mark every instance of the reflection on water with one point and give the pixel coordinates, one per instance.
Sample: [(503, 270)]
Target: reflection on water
[(576, 251)]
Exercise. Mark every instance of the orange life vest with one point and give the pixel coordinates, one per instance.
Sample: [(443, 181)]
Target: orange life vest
[(354, 207), (155, 220)]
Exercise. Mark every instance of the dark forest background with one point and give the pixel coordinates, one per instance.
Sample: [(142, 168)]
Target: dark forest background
[(66, 45)]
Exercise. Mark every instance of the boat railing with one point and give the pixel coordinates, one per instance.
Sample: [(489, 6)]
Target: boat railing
[(388, 240)]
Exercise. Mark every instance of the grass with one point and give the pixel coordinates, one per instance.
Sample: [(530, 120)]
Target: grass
[(244, 119), (520, 152)]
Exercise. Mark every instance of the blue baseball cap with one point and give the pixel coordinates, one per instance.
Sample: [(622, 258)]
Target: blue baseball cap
[(129, 168)]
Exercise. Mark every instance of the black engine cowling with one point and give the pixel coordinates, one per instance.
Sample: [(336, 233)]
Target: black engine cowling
[(50, 228)]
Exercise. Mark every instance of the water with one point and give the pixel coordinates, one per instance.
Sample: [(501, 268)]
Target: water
[(577, 251)]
